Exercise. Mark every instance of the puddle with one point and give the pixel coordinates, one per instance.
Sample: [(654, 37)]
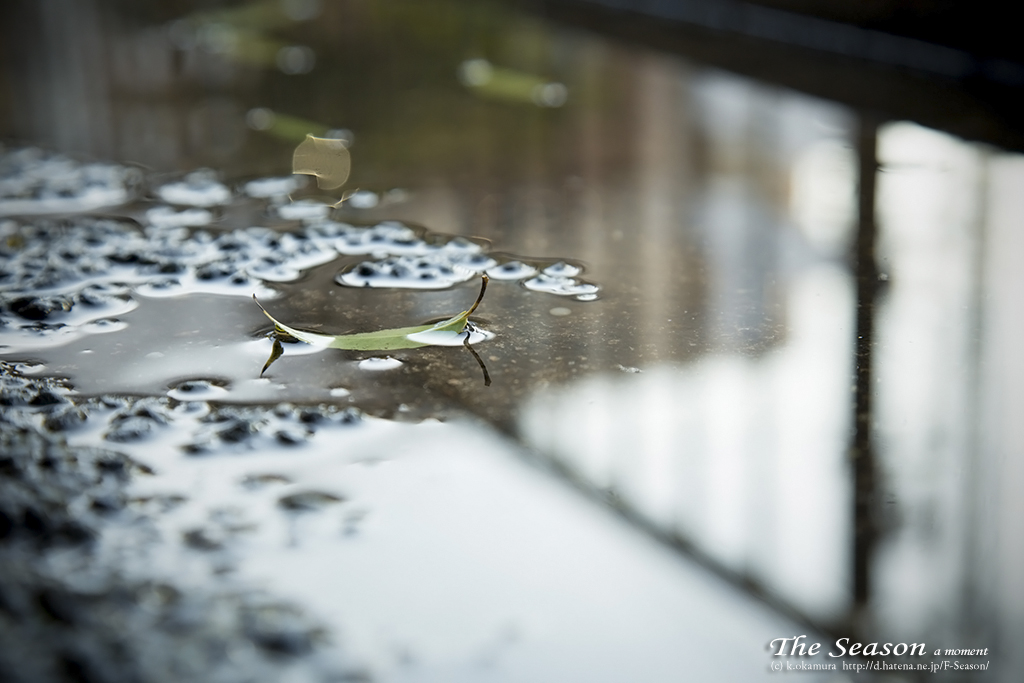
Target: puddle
[(121, 307), (217, 505)]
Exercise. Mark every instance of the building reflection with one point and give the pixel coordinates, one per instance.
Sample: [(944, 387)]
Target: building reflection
[(746, 457), (947, 386)]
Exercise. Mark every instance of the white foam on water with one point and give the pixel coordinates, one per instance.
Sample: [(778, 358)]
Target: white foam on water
[(443, 338), (266, 188), (304, 210), (380, 364), (167, 217), (199, 188)]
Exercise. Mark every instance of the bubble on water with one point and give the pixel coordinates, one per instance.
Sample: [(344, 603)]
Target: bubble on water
[(199, 188), (340, 392), (377, 364)]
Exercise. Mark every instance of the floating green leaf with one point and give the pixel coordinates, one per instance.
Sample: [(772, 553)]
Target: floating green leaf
[(381, 340)]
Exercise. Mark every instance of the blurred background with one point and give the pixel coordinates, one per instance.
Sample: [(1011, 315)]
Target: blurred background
[(803, 367)]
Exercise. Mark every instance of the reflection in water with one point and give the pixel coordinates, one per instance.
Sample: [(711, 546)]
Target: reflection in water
[(712, 388), (746, 458), (949, 380), (486, 80), (742, 457), (862, 448)]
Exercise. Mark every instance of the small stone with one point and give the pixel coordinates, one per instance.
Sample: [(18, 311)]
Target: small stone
[(305, 501), (280, 630), (238, 431), (64, 419), (39, 308), (256, 481), (291, 437), (106, 504), (131, 428), (201, 539)]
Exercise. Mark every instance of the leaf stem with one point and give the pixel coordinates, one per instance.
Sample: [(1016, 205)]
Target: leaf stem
[(480, 297), (476, 356)]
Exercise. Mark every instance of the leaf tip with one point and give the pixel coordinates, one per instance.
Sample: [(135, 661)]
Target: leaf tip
[(261, 307), (276, 351)]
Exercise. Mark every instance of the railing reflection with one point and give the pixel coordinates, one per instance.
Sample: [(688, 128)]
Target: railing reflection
[(862, 448)]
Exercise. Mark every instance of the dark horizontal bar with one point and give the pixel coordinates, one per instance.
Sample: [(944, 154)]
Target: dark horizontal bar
[(979, 97)]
